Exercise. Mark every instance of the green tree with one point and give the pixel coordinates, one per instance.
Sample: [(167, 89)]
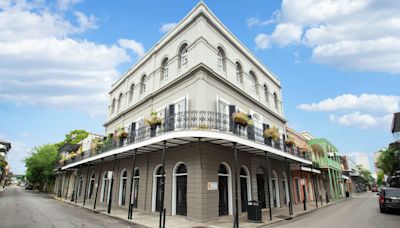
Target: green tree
[(73, 137), (40, 164), (365, 174), (389, 161), (380, 176)]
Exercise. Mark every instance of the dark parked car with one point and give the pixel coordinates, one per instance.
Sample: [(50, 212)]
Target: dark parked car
[(29, 187), (389, 199)]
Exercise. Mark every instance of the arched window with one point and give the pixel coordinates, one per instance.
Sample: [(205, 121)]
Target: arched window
[(91, 186), (157, 184), (253, 82), (104, 191), (276, 100), (122, 188), (113, 106), (275, 189), (119, 102), (285, 185), (266, 93), (239, 73), (179, 190), (224, 190), (183, 56), (221, 59), (135, 189), (245, 189), (131, 92), (164, 70), (143, 85)]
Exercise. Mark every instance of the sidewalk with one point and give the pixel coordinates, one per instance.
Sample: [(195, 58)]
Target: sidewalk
[(146, 219)]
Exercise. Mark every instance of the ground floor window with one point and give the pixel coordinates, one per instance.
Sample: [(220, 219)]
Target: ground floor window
[(135, 188), (224, 190)]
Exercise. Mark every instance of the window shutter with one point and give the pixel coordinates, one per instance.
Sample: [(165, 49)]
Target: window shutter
[(232, 109), (265, 127), (171, 117), (133, 131)]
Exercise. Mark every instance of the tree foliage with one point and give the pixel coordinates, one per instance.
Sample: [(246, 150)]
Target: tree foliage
[(40, 164), (380, 176), (73, 137), (389, 160), (365, 174)]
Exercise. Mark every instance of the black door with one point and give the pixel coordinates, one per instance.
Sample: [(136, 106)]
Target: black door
[(135, 192), (223, 195), (261, 190), (243, 193), (158, 194), (181, 185)]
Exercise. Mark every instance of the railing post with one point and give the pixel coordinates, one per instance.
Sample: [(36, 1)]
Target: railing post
[(290, 187), (304, 188), (162, 221), (86, 184), (111, 186), (235, 176), (268, 190)]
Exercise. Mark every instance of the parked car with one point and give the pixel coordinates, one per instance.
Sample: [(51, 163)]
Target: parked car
[(389, 199), (29, 187)]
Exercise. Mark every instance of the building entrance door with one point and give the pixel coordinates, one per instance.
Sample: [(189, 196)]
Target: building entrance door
[(223, 195), (158, 194), (261, 190), (243, 193), (181, 205)]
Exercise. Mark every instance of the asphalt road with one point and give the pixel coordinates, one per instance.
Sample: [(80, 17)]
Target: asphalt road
[(359, 211), (26, 208)]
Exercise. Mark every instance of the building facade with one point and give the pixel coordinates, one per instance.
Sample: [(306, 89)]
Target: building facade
[(186, 131), (4, 166)]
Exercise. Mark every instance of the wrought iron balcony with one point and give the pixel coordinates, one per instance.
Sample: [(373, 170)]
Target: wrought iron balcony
[(192, 120)]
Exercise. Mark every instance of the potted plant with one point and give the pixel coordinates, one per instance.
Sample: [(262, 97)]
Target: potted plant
[(153, 122), (122, 134), (271, 134), (241, 119), (290, 142), (72, 155)]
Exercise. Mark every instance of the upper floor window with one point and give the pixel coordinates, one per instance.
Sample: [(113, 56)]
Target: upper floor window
[(143, 85), (266, 93), (183, 56), (239, 73), (276, 100), (113, 106), (221, 59), (253, 82), (119, 102), (131, 92), (164, 69)]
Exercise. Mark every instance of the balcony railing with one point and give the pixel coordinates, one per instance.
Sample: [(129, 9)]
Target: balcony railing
[(193, 120)]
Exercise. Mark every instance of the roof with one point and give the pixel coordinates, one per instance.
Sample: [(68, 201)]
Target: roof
[(396, 122), (201, 9)]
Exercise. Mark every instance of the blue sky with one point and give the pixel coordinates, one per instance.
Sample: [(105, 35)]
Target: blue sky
[(337, 61)]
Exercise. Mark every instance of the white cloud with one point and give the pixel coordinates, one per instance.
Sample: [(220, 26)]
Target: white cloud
[(17, 155), (133, 45), (167, 27), (252, 21), (366, 102), (67, 4), (42, 65), (361, 35), (362, 121), (262, 41), (363, 112)]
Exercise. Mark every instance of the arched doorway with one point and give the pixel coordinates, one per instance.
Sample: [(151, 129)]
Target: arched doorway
[(224, 190), (275, 189), (179, 190), (91, 185), (261, 187), (136, 177), (285, 187), (104, 192), (122, 188), (245, 188), (80, 183), (157, 181)]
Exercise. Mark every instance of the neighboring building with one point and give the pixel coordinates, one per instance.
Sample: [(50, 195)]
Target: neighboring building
[(4, 166), (363, 160), (395, 129), (306, 178), (330, 165), (194, 79), (346, 185)]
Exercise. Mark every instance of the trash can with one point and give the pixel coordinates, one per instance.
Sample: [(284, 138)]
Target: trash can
[(254, 211)]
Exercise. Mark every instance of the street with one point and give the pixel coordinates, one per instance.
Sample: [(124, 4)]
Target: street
[(26, 208), (360, 211)]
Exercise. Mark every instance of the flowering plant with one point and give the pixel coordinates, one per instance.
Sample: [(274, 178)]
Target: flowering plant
[(122, 134), (271, 133), (242, 119), (290, 141), (153, 120)]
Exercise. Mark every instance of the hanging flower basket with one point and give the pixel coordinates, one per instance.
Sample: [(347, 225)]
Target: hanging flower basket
[(153, 121), (122, 134), (290, 142), (271, 134), (241, 119)]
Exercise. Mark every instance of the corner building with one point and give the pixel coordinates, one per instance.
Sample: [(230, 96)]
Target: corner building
[(194, 78)]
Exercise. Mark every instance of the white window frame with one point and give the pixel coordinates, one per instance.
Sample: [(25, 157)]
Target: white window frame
[(154, 192), (174, 187), (120, 186), (229, 175), (276, 179), (226, 111), (186, 99), (248, 181)]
